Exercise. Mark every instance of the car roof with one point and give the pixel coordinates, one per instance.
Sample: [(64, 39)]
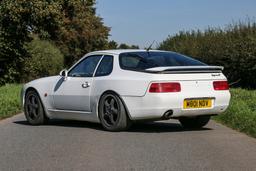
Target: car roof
[(118, 51)]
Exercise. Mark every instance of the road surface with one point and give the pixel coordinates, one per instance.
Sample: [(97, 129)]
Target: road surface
[(72, 145)]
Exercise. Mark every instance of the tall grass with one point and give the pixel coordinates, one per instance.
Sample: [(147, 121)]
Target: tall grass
[(9, 100), (241, 114)]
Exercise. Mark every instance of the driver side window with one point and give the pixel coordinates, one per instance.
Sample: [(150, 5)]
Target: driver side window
[(86, 67)]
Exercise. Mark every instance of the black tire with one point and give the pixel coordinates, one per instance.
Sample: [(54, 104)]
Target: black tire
[(194, 123), (112, 113), (33, 109)]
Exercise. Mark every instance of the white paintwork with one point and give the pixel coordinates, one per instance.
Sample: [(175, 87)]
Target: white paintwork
[(71, 96), (67, 99)]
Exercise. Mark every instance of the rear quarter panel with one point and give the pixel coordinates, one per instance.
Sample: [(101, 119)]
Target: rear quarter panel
[(123, 82)]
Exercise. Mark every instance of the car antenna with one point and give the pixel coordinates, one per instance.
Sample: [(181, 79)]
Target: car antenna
[(150, 46)]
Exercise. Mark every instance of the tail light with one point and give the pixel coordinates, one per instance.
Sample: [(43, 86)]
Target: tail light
[(220, 85), (164, 87)]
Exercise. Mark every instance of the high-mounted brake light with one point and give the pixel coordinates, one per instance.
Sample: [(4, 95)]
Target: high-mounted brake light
[(220, 85), (164, 87)]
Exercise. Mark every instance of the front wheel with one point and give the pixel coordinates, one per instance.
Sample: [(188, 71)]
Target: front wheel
[(33, 109), (194, 123), (112, 113)]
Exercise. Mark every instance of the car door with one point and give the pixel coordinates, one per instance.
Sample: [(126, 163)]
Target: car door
[(73, 93)]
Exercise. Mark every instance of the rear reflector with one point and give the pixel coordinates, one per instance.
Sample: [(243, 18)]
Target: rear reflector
[(220, 85), (164, 87)]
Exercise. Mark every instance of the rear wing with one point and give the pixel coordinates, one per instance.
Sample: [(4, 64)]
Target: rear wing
[(186, 69)]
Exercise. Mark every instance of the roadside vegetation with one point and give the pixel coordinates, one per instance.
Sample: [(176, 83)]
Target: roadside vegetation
[(9, 100), (241, 114), (233, 47)]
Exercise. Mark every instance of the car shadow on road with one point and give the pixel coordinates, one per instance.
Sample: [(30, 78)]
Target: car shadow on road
[(147, 127), (65, 123), (161, 127)]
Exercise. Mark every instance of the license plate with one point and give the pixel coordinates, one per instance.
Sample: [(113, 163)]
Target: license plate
[(197, 103)]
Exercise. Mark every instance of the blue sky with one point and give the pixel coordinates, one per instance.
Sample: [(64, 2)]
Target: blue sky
[(140, 22)]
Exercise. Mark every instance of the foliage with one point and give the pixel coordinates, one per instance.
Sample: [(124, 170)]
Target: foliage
[(72, 25), (114, 45), (44, 60), (18, 19), (233, 47), (125, 46), (241, 114), (9, 100), (81, 31)]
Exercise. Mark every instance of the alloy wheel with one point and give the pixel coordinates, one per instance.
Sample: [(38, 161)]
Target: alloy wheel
[(32, 106), (111, 110)]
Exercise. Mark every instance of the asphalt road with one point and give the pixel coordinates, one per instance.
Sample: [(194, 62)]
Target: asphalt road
[(71, 145)]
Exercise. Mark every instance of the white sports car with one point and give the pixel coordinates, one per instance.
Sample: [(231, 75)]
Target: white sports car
[(118, 87)]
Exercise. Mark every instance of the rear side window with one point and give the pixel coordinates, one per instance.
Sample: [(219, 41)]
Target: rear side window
[(144, 60), (105, 67)]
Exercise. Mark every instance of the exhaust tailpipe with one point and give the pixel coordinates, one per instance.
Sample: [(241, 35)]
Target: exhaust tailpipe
[(167, 115)]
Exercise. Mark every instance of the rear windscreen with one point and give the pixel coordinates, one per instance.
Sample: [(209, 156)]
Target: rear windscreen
[(145, 60)]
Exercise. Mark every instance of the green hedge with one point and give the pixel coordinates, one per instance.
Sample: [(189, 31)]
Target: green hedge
[(44, 60), (233, 47)]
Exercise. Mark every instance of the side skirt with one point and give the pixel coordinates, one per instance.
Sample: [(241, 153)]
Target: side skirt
[(73, 115)]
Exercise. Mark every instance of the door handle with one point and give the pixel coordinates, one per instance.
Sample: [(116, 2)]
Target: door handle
[(86, 85)]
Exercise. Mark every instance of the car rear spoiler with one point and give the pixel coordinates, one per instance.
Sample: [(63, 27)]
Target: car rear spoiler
[(186, 69)]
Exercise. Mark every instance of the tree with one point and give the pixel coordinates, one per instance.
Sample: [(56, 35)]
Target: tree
[(18, 20), (125, 46), (112, 44), (45, 59), (82, 31), (72, 25), (134, 47)]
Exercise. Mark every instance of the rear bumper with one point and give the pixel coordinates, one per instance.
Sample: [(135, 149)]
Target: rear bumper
[(153, 106)]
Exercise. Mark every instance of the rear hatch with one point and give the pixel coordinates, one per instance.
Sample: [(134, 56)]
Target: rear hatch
[(197, 83), (193, 79)]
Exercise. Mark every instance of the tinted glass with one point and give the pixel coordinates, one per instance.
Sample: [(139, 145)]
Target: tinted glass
[(146, 60), (86, 67), (105, 67)]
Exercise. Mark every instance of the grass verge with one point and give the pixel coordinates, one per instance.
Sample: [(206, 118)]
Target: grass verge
[(9, 100), (241, 114)]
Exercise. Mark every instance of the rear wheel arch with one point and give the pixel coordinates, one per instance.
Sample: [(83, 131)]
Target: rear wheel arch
[(118, 95)]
